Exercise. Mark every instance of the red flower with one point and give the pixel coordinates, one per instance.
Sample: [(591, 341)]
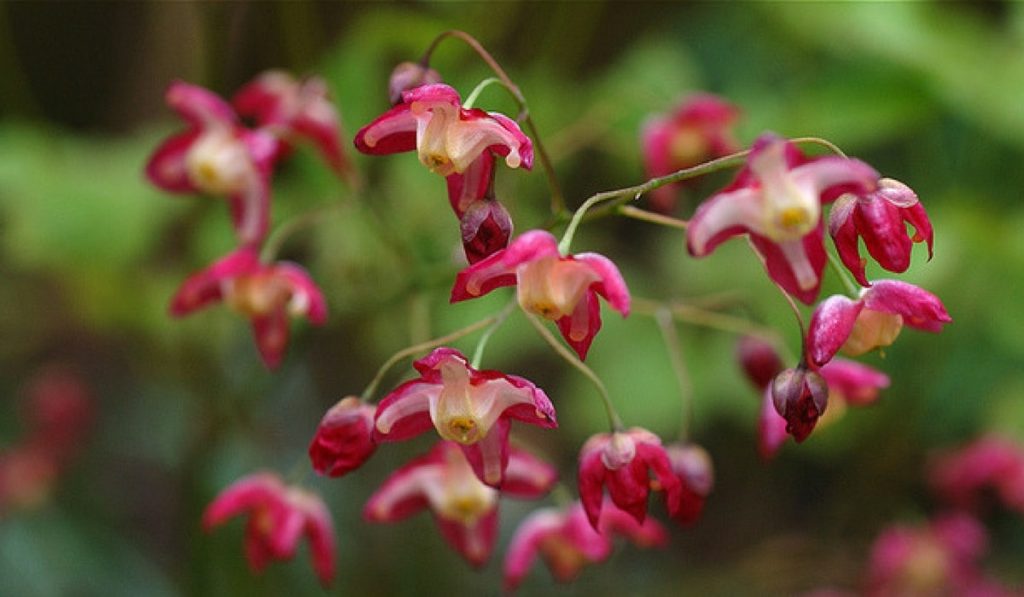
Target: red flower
[(344, 438), (470, 407), (562, 289), (622, 461), (692, 465), (217, 156), (466, 510), (697, 130), (278, 517), (872, 321), (776, 198), (567, 541), (879, 217), (267, 294)]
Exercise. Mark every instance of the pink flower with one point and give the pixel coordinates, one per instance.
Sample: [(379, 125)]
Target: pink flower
[(279, 515), (470, 407), (776, 198), (697, 130), (562, 289), (344, 438), (466, 510), (294, 110), (447, 137), (266, 294), (567, 541), (623, 461), (879, 217), (990, 465), (940, 559), (219, 157), (872, 321), (692, 465)]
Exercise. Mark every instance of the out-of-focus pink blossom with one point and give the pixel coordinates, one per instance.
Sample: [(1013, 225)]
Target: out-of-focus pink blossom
[(410, 75), (266, 294), (692, 465), (278, 517), (344, 438), (964, 476)]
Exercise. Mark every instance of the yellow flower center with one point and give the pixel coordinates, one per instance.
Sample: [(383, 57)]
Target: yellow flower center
[(256, 295)]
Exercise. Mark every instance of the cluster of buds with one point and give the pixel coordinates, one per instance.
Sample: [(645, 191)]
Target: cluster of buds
[(219, 156), (57, 414)]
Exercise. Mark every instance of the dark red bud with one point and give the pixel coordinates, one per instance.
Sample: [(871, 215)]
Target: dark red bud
[(800, 396), (486, 227), (759, 360)]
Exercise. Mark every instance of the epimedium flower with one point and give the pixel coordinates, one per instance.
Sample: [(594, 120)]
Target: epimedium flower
[(265, 293), (470, 407), (776, 198), (879, 217), (294, 110), (279, 515), (698, 129), (466, 510), (800, 396), (344, 438), (872, 321), (447, 137), (622, 461), (217, 156), (567, 542), (991, 465), (563, 289)]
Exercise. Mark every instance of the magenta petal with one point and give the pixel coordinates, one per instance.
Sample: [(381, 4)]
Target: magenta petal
[(590, 484), (580, 328), (434, 93), (489, 456), (402, 494), (392, 132), (539, 411), (405, 412), (881, 225), (858, 384), (474, 542), (525, 544), (472, 185), (612, 287), (166, 168), (525, 148), (320, 531), (657, 460), (808, 257), (271, 332), (771, 427), (919, 308), (918, 218), (206, 286), (324, 130), (240, 496), (201, 107), (527, 476), (830, 326)]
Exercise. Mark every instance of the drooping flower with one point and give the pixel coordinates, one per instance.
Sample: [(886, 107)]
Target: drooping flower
[(266, 294), (872, 321), (692, 465), (447, 137), (279, 515), (800, 396), (409, 75), (623, 462), (486, 227), (879, 217), (942, 558), (216, 155), (562, 289), (567, 541), (698, 129), (466, 510), (294, 110), (470, 407), (776, 198), (344, 438), (991, 465)]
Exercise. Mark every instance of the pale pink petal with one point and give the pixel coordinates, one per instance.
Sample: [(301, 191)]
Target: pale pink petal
[(271, 332), (919, 308), (320, 531), (489, 455), (404, 492), (722, 216), (250, 210), (858, 384), (827, 173), (241, 496), (307, 299), (405, 412), (523, 548), (475, 542), (527, 476), (392, 132)]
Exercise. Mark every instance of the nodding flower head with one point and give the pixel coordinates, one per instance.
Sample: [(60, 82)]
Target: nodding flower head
[(800, 396), (344, 438)]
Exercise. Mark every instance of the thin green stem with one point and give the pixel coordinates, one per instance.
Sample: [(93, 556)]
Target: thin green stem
[(296, 224), (649, 216), (851, 288), (481, 345), (819, 141), (417, 348), (557, 198), (675, 356), (613, 417), (475, 94)]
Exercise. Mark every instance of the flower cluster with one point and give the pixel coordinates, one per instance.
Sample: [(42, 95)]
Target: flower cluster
[(218, 155)]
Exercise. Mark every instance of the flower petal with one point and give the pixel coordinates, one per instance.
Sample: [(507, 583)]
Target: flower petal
[(796, 266), (499, 269), (830, 326), (271, 332), (206, 286), (474, 542), (307, 299), (166, 167), (919, 308), (405, 412), (527, 476), (858, 384), (199, 106), (392, 132), (582, 325), (612, 287), (721, 217), (241, 496), (489, 456)]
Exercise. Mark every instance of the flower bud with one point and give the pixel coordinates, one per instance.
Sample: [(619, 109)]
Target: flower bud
[(486, 227), (692, 465), (343, 440), (800, 396), (408, 75)]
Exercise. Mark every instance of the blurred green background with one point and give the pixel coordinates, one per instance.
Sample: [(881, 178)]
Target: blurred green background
[(90, 255)]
